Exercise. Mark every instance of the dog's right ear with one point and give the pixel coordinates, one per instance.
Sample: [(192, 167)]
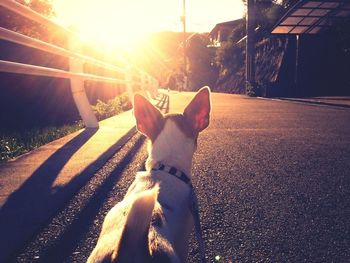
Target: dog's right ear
[(197, 111), (148, 117)]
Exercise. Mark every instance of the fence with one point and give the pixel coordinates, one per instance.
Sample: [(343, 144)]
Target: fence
[(129, 76)]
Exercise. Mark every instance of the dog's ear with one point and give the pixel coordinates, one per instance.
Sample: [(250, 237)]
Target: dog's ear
[(148, 117), (198, 110)]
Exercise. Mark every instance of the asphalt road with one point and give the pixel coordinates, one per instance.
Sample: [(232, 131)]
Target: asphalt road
[(272, 177)]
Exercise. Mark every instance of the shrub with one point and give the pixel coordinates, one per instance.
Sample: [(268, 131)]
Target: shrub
[(113, 107), (256, 89)]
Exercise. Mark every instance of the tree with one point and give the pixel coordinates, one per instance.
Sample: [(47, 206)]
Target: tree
[(202, 67), (25, 26), (230, 56)]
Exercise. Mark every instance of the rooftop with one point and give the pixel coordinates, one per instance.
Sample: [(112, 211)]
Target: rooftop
[(228, 25), (312, 17)]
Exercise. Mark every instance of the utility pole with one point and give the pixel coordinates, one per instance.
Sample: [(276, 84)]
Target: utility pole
[(250, 45), (184, 45)]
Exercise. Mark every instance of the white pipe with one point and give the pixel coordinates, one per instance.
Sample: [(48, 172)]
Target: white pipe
[(77, 77), (19, 68), (41, 45), (78, 92)]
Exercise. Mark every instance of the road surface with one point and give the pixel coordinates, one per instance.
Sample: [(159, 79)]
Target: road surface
[(273, 180)]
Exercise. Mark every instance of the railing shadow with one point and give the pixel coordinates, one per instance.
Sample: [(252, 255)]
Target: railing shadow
[(77, 229), (31, 200), (164, 103)]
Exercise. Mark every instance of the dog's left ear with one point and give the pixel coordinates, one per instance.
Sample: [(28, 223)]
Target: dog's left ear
[(148, 117), (197, 111)]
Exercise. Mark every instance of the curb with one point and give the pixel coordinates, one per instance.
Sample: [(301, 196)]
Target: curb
[(311, 102)]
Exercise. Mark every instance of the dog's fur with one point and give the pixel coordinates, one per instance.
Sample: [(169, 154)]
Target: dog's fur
[(153, 222)]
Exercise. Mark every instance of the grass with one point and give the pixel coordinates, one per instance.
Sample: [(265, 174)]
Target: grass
[(15, 143)]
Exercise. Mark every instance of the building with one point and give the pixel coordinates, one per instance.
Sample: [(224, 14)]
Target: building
[(221, 32)]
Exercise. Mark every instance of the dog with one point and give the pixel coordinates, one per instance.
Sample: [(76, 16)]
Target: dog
[(153, 222)]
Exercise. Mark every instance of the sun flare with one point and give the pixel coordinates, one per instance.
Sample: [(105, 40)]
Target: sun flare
[(113, 22), (122, 23)]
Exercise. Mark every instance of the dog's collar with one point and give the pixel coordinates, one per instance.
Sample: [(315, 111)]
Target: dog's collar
[(173, 171)]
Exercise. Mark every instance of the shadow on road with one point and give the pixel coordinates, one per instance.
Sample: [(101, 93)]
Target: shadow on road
[(77, 229), (163, 103), (27, 204)]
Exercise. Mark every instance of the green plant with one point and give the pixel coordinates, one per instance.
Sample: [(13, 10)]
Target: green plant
[(256, 89), (15, 143), (250, 89), (113, 107)]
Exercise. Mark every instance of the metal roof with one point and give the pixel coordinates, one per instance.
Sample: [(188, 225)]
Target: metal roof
[(311, 17)]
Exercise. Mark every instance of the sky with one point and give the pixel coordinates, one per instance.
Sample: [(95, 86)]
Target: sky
[(111, 20)]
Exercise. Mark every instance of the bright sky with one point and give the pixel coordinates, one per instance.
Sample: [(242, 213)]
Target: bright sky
[(127, 20)]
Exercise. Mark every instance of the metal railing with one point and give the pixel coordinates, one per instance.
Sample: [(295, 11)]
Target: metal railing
[(129, 77)]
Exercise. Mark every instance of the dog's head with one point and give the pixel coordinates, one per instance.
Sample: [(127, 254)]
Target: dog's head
[(173, 136), (195, 118)]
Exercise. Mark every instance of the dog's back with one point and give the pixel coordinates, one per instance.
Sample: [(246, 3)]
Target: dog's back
[(124, 235), (153, 222), (135, 230)]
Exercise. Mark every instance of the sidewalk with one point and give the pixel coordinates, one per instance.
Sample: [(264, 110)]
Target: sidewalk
[(35, 186)]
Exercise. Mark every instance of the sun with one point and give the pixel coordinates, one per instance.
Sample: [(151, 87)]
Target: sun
[(124, 23), (117, 23)]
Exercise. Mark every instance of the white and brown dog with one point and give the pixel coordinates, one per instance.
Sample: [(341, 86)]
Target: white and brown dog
[(153, 222)]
